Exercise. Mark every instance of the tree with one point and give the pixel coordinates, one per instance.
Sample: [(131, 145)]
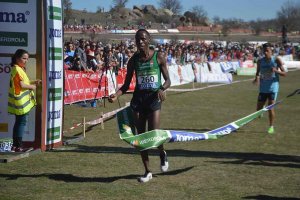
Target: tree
[(99, 9), (190, 18), (257, 26), (216, 20), (182, 20), (233, 23), (289, 16), (200, 15), (173, 5), (67, 6), (225, 30), (119, 3)]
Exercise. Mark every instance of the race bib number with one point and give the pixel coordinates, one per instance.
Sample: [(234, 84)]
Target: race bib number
[(148, 82)]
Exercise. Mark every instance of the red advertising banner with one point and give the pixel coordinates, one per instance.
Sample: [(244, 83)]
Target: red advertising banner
[(68, 96), (121, 79), (81, 86), (79, 83), (247, 64), (87, 87), (95, 87)]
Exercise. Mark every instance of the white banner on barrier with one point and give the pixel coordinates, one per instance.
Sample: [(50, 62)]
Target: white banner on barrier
[(215, 68), (175, 76), (291, 64), (187, 73), (180, 75), (111, 82), (173, 30), (215, 78), (229, 66), (286, 57)]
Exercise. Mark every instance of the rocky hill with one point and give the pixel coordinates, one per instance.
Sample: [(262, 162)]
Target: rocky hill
[(121, 17)]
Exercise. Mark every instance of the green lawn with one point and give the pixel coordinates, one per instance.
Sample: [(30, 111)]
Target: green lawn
[(249, 164)]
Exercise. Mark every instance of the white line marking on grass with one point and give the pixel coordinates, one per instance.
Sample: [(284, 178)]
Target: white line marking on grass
[(210, 86)]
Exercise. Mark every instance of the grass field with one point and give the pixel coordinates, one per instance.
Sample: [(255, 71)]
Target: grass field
[(249, 164)]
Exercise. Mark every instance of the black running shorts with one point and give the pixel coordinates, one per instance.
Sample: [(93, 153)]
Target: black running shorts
[(145, 102), (262, 97)]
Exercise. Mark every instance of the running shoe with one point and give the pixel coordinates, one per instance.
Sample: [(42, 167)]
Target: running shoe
[(271, 130), (164, 164), (24, 150), (147, 177), (13, 149)]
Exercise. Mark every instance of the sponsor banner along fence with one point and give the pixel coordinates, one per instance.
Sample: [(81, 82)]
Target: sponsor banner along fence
[(248, 68), (81, 86), (212, 72), (289, 63)]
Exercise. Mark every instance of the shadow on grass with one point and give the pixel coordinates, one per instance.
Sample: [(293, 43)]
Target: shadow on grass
[(262, 159), (267, 197), (262, 162), (88, 129), (71, 178), (270, 160)]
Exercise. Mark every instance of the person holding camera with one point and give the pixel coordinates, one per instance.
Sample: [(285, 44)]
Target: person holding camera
[(80, 58)]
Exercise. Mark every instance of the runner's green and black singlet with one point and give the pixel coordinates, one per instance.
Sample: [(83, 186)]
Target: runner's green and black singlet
[(148, 74)]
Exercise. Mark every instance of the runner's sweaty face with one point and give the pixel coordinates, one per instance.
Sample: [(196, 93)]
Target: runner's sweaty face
[(268, 52), (142, 41)]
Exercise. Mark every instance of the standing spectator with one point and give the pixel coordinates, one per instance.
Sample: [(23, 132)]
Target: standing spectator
[(269, 68), (120, 58), (80, 58), (169, 56), (110, 59), (21, 97), (128, 54), (93, 48)]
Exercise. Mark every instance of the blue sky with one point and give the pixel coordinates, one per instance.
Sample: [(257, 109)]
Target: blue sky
[(241, 9)]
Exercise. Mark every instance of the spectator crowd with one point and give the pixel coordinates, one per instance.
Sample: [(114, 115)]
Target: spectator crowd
[(90, 56)]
